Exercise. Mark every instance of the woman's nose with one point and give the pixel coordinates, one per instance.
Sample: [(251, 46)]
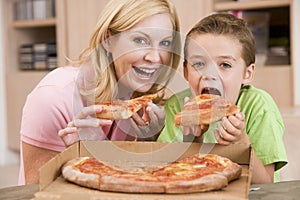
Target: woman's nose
[(153, 55)]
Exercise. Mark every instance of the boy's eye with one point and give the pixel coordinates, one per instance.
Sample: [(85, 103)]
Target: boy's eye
[(225, 65)]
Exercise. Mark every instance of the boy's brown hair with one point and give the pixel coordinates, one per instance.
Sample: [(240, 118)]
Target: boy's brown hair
[(228, 25)]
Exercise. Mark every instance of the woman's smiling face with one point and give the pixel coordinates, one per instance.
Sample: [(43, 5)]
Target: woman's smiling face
[(140, 54), (214, 65)]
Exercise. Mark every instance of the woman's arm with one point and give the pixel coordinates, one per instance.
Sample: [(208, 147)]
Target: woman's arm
[(33, 158)]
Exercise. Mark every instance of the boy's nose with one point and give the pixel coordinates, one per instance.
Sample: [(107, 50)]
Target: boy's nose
[(209, 77)]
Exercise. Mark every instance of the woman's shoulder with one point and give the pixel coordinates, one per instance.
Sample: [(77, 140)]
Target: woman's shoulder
[(60, 76)]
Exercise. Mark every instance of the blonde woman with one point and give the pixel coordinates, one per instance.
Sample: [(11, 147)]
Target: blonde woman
[(133, 51)]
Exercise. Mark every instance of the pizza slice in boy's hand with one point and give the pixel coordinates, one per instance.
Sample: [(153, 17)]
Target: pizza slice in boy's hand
[(123, 109), (205, 109)]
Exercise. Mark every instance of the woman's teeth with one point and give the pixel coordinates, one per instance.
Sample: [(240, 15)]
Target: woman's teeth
[(144, 72)]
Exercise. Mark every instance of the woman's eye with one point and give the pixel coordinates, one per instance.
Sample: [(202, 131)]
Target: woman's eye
[(198, 65), (165, 43), (140, 41)]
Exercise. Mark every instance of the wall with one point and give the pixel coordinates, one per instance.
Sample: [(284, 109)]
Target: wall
[(6, 156)]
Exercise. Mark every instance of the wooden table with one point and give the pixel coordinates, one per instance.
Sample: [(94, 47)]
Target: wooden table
[(286, 190)]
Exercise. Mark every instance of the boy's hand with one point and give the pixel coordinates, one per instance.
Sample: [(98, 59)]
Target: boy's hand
[(231, 130)]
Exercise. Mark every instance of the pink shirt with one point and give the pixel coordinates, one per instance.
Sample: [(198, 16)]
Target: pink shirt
[(49, 108)]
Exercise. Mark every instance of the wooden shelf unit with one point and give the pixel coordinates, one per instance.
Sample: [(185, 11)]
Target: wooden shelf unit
[(278, 80)]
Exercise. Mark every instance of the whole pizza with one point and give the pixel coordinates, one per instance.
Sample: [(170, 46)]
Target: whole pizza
[(197, 173)]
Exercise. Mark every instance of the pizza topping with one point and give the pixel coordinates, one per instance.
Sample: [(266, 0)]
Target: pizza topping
[(124, 109), (204, 109)]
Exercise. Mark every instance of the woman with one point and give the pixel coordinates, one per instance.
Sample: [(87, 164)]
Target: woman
[(133, 51)]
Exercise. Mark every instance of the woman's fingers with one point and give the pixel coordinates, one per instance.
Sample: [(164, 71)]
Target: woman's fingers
[(91, 122), (151, 113), (69, 135), (89, 111)]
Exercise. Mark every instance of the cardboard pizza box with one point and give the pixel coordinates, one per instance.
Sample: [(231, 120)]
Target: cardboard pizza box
[(53, 186)]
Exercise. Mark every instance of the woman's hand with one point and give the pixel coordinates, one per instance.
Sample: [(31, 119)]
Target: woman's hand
[(84, 120), (195, 130), (145, 126), (232, 130)]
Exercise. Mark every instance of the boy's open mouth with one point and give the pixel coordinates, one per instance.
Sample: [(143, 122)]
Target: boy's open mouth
[(208, 90)]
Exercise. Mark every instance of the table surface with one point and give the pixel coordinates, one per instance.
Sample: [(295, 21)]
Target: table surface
[(286, 190)]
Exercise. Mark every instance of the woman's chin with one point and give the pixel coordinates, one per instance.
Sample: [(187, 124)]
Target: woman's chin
[(143, 88)]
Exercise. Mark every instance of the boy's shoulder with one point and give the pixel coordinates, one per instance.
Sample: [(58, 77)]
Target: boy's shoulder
[(249, 94), (250, 90)]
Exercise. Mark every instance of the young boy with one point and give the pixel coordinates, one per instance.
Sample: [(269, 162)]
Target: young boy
[(219, 59)]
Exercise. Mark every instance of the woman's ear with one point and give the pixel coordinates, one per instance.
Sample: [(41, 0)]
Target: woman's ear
[(185, 72), (249, 74), (106, 41)]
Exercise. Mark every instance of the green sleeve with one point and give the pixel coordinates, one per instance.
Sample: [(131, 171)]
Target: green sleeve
[(174, 104), (264, 126), (170, 132)]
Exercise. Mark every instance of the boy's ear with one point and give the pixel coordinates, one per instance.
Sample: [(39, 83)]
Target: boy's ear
[(249, 74), (106, 41)]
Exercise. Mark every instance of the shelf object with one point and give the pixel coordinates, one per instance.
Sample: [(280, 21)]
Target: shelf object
[(250, 4)]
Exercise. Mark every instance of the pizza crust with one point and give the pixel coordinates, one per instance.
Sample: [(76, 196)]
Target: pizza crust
[(232, 171), (109, 183), (203, 184), (75, 176)]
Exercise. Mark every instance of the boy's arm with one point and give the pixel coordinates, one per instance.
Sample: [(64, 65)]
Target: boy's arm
[(232, 130), (260, 173)]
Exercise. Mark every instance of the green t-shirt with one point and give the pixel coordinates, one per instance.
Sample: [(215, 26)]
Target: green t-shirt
[(264, 124)]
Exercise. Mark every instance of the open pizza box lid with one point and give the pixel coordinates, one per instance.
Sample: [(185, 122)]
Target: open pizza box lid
[(53, 186)]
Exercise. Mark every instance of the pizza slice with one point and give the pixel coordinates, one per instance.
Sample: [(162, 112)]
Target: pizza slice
[(124, 109), (205, 109)]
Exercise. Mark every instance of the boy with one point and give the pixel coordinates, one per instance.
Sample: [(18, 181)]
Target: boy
[(219, 57)]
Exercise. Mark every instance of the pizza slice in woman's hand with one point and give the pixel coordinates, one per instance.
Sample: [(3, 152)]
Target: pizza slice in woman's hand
[(124, 109), (205, 109)]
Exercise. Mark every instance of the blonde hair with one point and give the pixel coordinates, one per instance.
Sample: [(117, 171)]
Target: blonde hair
[(119, 16)]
